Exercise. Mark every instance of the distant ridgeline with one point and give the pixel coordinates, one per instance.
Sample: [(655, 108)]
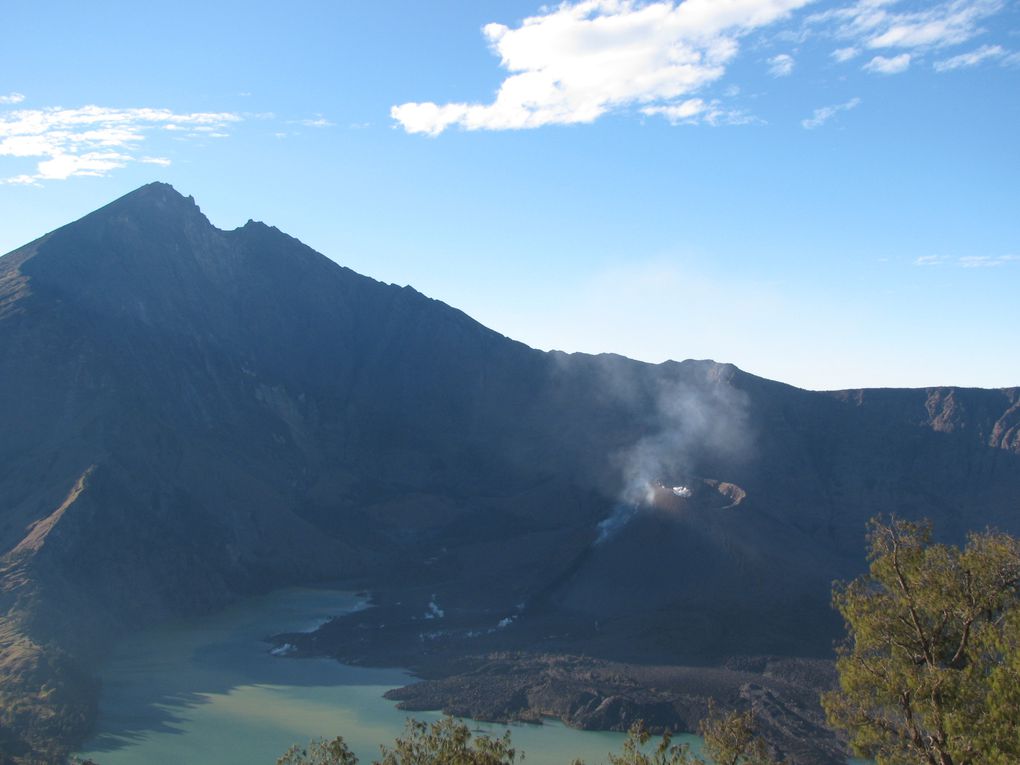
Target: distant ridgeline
[(190, 415)]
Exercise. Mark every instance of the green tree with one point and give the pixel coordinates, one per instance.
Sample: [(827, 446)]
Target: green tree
[(320, 752), (929, 671), (448, 742), (729, 739), (732, 739), (665, 752)]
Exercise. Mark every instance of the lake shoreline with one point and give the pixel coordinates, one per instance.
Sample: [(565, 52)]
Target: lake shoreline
[(207, 691), (568, 694), (464, 668)]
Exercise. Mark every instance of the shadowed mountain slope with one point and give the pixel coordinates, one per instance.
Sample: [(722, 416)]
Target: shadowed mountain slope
[(190, 415)]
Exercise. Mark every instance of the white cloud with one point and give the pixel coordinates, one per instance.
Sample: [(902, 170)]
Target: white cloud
[(880, 25), (873, 24), (825, 113), (62, 166), (317, 122), (973, 58), (946, 24), (695, 111), (967, 261), (781, 65), (686, 110), (93, 140), (986, 261), (888, 65), (579, 60), (12, 98)]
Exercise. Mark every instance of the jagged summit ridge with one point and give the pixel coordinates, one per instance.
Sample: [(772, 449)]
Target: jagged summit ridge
[(157, 196), (161, 199)]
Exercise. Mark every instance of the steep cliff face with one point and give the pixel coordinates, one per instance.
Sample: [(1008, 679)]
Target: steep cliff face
[(192, 414)]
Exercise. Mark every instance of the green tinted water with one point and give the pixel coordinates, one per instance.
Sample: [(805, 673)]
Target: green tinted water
[(207, 692)]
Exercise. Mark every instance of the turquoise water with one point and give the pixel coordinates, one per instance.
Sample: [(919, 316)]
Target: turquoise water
[(207, 692)]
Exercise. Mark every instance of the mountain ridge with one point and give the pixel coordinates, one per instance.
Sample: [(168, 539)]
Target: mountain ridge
[(233, 411)]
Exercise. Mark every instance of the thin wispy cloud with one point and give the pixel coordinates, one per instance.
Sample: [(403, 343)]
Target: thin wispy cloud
[(578, 61), (781, 65), (95, 140), (987, 261), (930, 260), (843, 55), (12, 98), (888, 64), (971, 58), (317, 122), (697, 111), (876, 24), (826, 113), (967, 261)]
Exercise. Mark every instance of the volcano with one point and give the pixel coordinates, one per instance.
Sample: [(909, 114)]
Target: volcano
[(192, 415)]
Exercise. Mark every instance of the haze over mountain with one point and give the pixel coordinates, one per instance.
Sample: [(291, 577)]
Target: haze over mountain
[(191, 415)]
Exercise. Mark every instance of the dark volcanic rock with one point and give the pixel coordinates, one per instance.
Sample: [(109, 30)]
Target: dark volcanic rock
[(190, 415), (596, 694)]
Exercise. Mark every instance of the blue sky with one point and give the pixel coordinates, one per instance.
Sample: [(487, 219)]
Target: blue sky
[(823, 193)]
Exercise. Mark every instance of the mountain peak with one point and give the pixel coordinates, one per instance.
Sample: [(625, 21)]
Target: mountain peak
[(156, 190), (155, 197)]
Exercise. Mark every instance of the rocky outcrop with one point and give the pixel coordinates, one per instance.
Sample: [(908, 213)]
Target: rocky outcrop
[(595, 694)]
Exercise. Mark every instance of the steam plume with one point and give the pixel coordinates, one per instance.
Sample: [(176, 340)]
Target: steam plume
[(694, 422)]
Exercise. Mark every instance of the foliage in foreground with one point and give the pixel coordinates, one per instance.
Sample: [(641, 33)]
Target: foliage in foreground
[(320, 752), (930, 671), (448, 742), (444, 742), (730, 739)]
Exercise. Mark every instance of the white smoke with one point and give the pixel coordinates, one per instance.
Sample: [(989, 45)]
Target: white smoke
[(695, 422), (616, 520)]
